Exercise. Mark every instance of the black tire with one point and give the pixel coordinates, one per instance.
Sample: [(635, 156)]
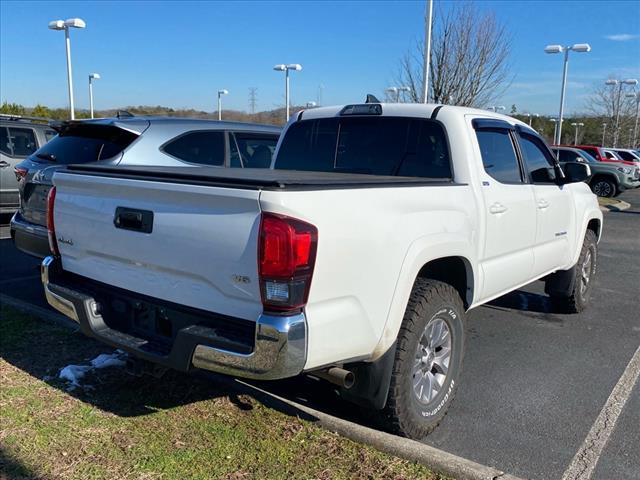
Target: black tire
[(405, 414), (584, 271), (604, 187)]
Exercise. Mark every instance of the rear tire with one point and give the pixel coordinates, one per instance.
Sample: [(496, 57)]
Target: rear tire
[(428, 360), (604, 187), (585, 271)]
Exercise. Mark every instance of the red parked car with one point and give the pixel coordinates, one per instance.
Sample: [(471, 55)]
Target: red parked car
[(599, 154)]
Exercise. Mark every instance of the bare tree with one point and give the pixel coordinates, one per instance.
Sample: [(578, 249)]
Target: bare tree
[(469, 59), (604, 103)]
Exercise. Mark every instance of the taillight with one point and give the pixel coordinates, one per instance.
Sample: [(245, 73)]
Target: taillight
[(20, 173), (53, 243), (286, 257)]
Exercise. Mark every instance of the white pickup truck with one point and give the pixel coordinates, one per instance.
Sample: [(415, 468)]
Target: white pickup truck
[(354, 259)]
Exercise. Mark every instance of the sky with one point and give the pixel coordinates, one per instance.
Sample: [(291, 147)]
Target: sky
[(179, 54)]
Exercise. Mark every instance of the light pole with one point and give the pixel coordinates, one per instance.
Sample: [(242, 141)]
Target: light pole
[(617, 103), (635, 95), (577, 125), (427, 52), (285, 68), (604, 130), (531, 115), (66, 25), (555, 129), (578, 47), (92, 77), (397, 91), (220, 93)]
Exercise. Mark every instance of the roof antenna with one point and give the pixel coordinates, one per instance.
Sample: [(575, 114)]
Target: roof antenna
[(371, 99)]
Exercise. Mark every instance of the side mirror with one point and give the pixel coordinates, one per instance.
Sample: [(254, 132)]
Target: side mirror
[(576, 172)]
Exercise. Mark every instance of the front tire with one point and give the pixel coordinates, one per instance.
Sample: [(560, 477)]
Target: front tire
[(578, 297), (428, 360), (604, 187)]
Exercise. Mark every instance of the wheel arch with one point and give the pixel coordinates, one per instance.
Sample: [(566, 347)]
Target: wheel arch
[(451, 262)]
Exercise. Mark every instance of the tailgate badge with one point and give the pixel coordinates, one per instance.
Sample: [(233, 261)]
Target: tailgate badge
[(241, 279), (65, 241)]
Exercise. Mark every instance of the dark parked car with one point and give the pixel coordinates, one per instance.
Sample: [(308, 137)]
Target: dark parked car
[(19, 138), (607, 179), (132, 140)]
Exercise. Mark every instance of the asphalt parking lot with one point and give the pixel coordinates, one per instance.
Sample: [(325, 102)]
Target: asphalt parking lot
[(534, 381)]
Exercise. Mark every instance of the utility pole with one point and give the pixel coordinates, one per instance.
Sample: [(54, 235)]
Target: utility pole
[(253, 100)]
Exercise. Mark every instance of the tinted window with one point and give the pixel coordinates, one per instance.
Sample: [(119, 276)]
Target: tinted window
[(610, 155), (252, 150), (367, 145), (204, 147), (536, 158), (498, 155), (5, 145), (626, 155), (22, 141), (49, 134), (84, 144)]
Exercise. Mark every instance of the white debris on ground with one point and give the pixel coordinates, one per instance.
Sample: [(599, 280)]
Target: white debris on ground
[(74, 373)]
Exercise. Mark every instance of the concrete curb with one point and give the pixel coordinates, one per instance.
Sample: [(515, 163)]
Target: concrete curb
[(619, 206), (438, 460)]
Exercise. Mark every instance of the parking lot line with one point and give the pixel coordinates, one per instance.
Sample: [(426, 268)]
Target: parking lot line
[(585, 461)]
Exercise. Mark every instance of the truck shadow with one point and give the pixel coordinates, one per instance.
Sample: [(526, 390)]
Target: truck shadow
[(524, 301), (42, 351)]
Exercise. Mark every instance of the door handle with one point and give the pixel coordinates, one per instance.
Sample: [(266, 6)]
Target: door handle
[(4, 164), (542, 204), (497, 208)]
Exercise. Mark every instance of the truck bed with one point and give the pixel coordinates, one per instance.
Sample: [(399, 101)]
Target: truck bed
[(253, 178)]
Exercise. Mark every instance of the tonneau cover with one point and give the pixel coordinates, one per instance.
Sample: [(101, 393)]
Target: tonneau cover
[(256, 178)]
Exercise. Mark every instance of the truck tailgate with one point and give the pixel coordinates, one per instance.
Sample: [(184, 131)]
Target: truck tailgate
[(199, 247)]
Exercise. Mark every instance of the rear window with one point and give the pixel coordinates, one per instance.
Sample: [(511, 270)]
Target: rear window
[(17, 142), (84, 144), (201, 147), (408, 147), (626, 155)]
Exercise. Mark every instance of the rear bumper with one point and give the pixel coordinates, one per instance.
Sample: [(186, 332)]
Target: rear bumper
[(279, 351), (29, 238)]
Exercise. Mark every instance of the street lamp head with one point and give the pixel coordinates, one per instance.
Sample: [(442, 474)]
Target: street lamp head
[(391, 90), (224, 91), (280, 68), (632, 95), (404, 89), (500, 107), (74, 23), (611, 82), (311, 104), (94, 76), (56, 25), (630, 81), (581, 47), (553, 49), (294, 66)]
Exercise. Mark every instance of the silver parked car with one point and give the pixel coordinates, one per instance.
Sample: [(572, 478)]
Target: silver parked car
[(132, 140), (19, 138)]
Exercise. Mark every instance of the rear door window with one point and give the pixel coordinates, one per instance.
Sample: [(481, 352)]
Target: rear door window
[(499, 156), (252, 150), (84, 144), (22, 141), (201, 147), (399, 146)]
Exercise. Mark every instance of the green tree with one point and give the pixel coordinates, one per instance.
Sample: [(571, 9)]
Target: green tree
[(12, 108), (514, 109)]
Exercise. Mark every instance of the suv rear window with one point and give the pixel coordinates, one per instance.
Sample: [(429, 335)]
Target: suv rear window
[(84, 144), (409, 147), (201, 147)]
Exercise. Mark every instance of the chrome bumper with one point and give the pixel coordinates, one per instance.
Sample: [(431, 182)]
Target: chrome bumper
[(280, 348)]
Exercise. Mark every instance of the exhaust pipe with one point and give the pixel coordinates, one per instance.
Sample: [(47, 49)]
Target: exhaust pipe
[(337, 376)]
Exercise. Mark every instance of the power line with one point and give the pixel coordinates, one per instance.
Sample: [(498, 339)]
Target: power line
[(253, 99)]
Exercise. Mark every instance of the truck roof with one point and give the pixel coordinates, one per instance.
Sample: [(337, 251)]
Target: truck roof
[(411, 110)]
